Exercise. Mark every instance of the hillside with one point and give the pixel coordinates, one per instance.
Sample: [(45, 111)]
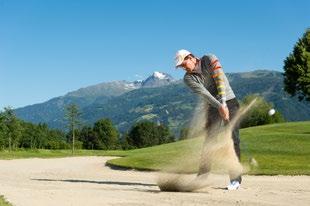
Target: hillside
[(173, 104), (168, 102)]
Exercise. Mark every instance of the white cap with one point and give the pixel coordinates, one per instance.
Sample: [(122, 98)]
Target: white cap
[(179, 57)]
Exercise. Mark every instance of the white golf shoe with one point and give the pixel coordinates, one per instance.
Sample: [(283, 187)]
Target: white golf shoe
[(234, 185)]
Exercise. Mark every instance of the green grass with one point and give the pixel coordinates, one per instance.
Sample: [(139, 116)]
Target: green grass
[(3, 202), (158, 157), (279, 149)]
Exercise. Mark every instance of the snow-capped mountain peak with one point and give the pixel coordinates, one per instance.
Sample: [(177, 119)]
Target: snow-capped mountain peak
[(157, 79), (159, 75)]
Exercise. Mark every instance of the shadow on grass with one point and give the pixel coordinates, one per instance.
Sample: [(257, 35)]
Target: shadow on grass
[(115, 167), (124, 168)]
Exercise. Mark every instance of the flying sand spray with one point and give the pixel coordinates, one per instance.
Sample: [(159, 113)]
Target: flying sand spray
[(220, 154)]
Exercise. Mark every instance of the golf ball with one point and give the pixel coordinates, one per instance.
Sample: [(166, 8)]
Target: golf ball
[(271, 112)]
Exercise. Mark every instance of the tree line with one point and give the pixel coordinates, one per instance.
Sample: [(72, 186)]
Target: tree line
[(102, 135), (16, 133)]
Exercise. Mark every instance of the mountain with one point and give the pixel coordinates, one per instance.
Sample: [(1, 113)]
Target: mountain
[(158, 98), (52, 111), (158, 79), (108, 89)]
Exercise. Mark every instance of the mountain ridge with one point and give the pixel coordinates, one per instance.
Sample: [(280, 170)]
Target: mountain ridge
[(164, 100)]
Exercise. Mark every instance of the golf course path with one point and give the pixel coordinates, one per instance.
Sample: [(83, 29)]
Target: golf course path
[(87, 181)]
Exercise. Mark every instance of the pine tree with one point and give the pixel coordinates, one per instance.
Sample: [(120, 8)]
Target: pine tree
[(72, 115)]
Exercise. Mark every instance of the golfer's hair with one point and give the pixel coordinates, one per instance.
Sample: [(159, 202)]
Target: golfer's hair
[(192, 55)]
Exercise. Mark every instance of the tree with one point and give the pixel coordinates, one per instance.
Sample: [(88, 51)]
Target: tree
[(3, 131), (56, 140), (125, 142), (29, 136), (89, 138), (13, 129), (258, 115), (297, 69), (72, 116), (41, 135), (107, 134), (164, 135), (184, 133), (16, 133), (145, 134)]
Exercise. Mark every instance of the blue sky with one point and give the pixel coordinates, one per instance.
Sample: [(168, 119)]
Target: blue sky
[(51, 47)]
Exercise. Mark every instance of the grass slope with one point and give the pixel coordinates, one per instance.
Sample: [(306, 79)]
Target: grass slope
[(279, 149)]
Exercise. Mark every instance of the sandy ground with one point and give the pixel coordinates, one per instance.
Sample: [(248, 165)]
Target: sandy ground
[(87, 181)]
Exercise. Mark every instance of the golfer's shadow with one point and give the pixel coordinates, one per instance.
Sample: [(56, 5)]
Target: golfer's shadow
[(102, 182)]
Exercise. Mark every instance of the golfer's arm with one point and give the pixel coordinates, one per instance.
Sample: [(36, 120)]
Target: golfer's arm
[(199, 89), (218, 76)]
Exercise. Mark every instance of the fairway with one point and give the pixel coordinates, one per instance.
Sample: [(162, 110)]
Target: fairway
[(280, 149)]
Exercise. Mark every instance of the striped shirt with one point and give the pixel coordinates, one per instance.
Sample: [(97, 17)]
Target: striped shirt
[(210, 81)]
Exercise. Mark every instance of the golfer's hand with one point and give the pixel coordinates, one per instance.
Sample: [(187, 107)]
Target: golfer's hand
[(224, 112)]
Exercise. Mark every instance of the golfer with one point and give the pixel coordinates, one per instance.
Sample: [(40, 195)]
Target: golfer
[(205, 76)]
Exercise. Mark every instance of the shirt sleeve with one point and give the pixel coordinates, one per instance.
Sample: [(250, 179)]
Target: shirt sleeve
[(217, 74), (199, 89)]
